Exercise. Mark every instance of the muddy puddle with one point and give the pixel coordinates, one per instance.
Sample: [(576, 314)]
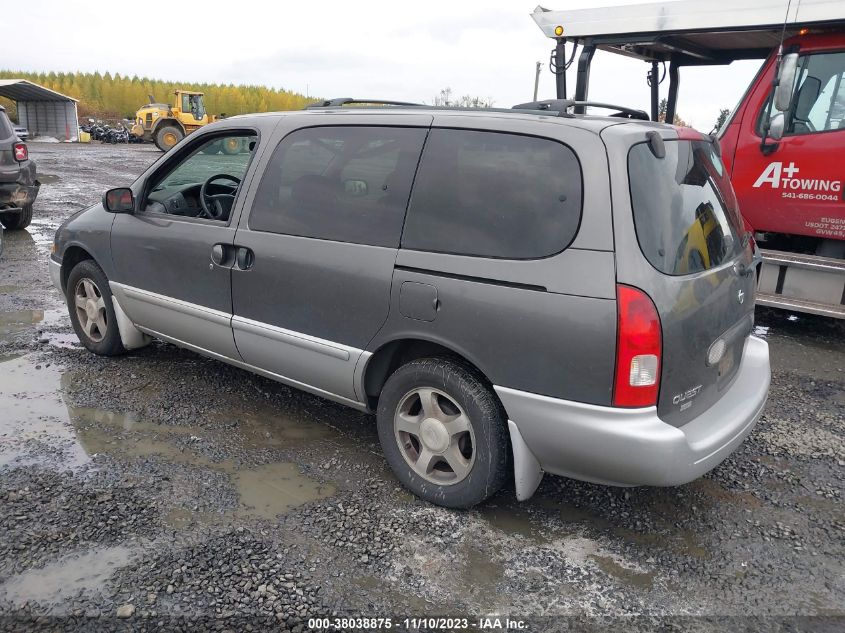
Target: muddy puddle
[(550, 522), (481, 572), (24, 321), (513, 520), (19, 320), (60, 580), (37, 427), (34, 421), (562, 528), (628, 575), (263, 491), (541, 519), (40, 233)]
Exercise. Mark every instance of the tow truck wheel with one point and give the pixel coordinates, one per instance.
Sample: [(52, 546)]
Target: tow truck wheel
[(17, 220), (167, 137)]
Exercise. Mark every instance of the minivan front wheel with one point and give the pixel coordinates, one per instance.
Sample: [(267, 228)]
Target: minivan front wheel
[(443, 432), (91, 310)]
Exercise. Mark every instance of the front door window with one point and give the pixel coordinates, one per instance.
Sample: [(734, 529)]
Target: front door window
[(819, 101), (203, 184)]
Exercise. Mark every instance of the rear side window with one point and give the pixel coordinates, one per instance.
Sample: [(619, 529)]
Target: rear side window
[(494, 195), (347, 184), (5, 126), (685, 210)]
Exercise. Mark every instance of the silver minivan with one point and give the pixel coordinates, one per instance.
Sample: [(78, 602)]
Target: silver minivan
[(511, 292)]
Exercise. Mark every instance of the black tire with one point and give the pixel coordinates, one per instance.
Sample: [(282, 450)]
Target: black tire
[(17, 220), (231, 146), (461, 383), (110, 344), (165, 132)]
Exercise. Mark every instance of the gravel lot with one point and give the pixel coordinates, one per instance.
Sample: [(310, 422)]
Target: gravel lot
[(165, 490)]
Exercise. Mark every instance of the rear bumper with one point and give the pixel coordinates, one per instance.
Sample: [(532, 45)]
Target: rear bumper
[(14, 195), (632, 447)]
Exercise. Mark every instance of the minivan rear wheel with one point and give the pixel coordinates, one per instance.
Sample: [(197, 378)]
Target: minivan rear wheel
[(434, 416)]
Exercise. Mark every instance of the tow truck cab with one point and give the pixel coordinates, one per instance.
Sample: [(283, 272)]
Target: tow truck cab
[(782, 154), (791, 188)]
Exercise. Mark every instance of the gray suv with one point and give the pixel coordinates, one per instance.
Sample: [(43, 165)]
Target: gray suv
[(511, 292), (18, 185)]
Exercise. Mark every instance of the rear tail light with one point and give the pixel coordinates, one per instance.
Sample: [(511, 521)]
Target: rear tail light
[(21, 152), (638, 349)]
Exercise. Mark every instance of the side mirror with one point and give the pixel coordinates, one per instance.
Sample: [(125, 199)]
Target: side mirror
[(786, 82), (776, 125), (354, 187), (120, 200)]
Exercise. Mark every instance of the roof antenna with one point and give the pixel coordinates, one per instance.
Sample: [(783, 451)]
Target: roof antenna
[(783, 35), (776, 78)]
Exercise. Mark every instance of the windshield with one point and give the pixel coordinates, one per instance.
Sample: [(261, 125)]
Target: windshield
[(197, 107), (685, 211)]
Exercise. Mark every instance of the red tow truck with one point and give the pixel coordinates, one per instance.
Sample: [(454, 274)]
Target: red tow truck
[(784, 143)]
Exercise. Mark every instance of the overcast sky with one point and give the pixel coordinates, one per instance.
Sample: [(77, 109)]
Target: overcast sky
[(390, 50)]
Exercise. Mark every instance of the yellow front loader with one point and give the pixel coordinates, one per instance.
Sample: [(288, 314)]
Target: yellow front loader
[(165, 124)]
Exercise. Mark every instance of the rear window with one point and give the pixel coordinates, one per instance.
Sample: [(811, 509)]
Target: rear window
[(685, 210), (488, 194)]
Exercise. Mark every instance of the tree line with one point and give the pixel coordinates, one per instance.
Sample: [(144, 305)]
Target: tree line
[(108, 96)]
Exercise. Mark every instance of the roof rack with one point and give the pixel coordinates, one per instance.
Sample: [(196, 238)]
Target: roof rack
[(554, 107), (342, 101), (562, 106)]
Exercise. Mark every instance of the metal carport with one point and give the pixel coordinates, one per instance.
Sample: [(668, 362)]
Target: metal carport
[(42, 111)]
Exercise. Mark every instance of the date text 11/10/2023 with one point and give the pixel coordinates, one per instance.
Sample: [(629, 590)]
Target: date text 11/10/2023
[(438, 623)]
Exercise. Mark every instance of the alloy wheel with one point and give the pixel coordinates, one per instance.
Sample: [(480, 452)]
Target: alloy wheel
[(90, 309), (435, 436)]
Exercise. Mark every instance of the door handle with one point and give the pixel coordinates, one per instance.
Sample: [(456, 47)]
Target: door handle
[(244, 257), (222, 255), (229, 255)]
